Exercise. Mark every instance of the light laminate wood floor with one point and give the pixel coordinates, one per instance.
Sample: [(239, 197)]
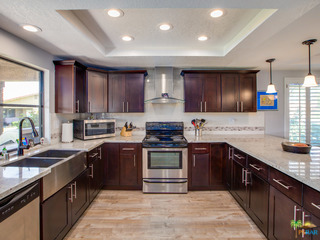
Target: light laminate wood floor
[(134, 215)]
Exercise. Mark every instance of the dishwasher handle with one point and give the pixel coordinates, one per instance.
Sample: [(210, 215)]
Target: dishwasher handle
[(18, 200)]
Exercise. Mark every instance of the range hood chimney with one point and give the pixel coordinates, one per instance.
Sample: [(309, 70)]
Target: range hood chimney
[(163, 77)]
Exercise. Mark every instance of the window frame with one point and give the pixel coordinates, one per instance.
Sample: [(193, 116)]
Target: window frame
[(41, 94)]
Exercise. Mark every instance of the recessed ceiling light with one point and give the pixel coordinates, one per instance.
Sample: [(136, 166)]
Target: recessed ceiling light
[(165, 27), (203, 38), (115, 13), (31, 28), (127, 38), (216, 13)]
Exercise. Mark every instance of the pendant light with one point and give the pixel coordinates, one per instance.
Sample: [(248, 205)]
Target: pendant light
[(309, 80), (271, 88)]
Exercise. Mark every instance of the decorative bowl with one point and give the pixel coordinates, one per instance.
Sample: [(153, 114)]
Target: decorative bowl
[(295, 148)]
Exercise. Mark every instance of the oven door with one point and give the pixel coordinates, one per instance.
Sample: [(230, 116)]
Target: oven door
[(165, 163)]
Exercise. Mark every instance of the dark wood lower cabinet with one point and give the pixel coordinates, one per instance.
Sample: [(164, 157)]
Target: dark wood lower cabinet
[(258, 201), (200, 170), (218, 165), (56, 215), (238, 188), (95, 177), (281, 213), (110, 153), (63, 209)]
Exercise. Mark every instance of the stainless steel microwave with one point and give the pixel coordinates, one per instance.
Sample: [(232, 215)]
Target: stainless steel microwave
[(86, 129)]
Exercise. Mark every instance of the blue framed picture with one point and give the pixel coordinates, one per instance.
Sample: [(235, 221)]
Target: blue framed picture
[(267, 101)]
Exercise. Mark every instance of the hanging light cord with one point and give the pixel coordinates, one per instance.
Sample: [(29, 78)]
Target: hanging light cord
[(309, 59), (270, 72)]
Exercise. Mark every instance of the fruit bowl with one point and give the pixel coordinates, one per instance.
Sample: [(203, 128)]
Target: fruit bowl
[(296, 147)]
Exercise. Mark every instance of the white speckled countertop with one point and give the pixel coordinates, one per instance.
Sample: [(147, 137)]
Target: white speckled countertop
[(303, 167)]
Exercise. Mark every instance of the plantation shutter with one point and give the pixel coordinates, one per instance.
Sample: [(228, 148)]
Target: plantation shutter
[(304, 114)]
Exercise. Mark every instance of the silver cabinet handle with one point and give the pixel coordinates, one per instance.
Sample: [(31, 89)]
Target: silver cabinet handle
[(78, 106), (200, 148), (93, 155), (89, 107), (201, 106), (241, 106), (122, 106), (294, 215), (230, 152), (75, 190), (91, 167), (205, 106), (134, 160), (194, 160), (127, 107), (254, 166), (71, 193), (246, 182), (243, 175), (100, 156), (239, 156), (237, 106), (127, 149), (315, 205), (281, 184)]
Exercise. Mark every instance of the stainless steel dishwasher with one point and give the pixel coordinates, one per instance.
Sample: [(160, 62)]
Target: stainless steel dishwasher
[(19, 214)]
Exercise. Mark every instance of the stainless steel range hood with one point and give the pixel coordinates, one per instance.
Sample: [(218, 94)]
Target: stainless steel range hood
[(164, 86)]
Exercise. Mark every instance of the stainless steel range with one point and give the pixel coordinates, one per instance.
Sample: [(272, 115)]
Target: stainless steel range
[(165, 158)]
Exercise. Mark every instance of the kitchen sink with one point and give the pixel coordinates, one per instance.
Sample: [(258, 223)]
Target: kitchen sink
[(56, 153), (34, 162)]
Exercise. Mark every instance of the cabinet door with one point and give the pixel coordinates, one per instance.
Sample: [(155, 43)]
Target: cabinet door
[(128, 170), (258, 201), (193, 92), (96, 177), (248, 93), (229, 167), (81, 196), (230, 93), (238, 188), (110, 155), (211, 93), (56, 215), (281, 213), (97, 90), (116, 93), (200, 170), (218, 164), (134, 93)]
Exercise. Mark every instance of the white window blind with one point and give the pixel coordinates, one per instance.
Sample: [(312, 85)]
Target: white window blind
[(303, 113)]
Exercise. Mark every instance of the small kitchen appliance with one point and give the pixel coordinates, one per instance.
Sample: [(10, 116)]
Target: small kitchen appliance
[(86, 129), (165, 158)]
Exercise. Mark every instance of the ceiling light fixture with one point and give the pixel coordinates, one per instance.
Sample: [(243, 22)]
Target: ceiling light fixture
[(31, 28), (309, 80), (203, 38), (165, 27), (271, 88), (216, 13), (127, 38), (115, 13)]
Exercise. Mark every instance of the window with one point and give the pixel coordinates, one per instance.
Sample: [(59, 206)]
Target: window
[(20, 96), (303, 112)]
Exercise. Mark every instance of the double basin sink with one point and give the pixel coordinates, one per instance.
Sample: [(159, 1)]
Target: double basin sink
[(44, 159), (60, 174)]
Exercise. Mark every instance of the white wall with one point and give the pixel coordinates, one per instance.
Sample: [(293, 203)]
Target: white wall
[(274, 120)]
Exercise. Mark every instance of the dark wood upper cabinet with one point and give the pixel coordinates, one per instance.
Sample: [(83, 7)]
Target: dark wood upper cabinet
[(126, 91), (230, 93), (220, 90), (97, 91), (202, 92), (69, 87)]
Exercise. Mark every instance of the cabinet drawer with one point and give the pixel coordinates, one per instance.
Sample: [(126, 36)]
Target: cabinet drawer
[(287, 185), (258, 167), (311, 200), (200, 147), (240, 157), (128, 148)]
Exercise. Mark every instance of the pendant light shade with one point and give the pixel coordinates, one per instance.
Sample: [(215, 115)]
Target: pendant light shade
[(309, 80), (271, 87)]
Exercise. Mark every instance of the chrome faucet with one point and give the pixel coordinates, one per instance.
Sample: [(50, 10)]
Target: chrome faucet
[(34, 133)]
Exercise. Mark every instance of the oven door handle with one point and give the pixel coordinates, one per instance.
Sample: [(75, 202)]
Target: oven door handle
[(166, 181)]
